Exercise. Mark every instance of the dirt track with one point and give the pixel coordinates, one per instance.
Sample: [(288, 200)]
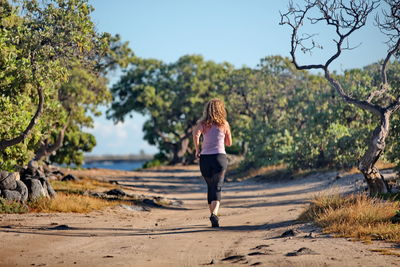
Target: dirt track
[(253, 217)]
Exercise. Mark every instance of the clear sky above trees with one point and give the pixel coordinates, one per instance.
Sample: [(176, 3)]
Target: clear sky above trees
[(238, 31)]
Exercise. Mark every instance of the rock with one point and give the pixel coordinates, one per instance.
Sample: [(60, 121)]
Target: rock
[(58, 172), (61, 227), (35, 189), (50, 189), (302, 251), (310, 235), (70, 177), (116, 192), (11, 195), (44, 185), (288, 233), (8, 180), (23, 190), (33, 165), (41, 175), (135, 208)]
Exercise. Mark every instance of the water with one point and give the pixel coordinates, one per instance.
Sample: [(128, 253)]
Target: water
[(115, 165)]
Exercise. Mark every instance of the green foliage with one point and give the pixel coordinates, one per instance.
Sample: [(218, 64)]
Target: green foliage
[(159, 159), (75, 144), (172, 96), (52, 46)]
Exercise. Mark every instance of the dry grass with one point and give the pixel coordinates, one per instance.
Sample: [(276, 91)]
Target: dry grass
[(79, 187), (355, 216), (70, 203)]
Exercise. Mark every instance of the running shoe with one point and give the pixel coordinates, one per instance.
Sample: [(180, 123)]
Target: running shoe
[(214, 220)]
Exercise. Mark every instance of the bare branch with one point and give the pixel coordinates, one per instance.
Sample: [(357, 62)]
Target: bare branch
[(375, 109)]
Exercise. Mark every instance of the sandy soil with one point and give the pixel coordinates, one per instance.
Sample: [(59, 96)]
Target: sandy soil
[(253, 217)]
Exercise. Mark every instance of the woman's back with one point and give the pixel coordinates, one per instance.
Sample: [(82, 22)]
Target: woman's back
[(213, 140)]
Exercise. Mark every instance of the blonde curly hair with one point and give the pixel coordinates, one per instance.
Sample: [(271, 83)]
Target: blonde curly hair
[(214, 113)]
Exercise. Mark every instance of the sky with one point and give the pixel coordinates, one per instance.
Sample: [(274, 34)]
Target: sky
[(240, 32)]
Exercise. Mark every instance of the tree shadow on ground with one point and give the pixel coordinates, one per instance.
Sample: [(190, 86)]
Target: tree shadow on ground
[(153, 232)]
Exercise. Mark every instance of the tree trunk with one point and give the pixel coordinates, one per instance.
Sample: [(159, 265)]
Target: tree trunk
[(46, 149), (179, 151), (10, 142), (374, 179)]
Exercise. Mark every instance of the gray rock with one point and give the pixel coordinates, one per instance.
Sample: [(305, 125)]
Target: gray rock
[(35, 189), (41, 175), (8, 181), (302, 251), (288, 233), (11, 195), (23, 190), (70, 177), (33, 165), (44, 185), (116, 192), (50, 189)]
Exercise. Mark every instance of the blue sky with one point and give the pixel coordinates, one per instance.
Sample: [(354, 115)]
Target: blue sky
[(237, 31)]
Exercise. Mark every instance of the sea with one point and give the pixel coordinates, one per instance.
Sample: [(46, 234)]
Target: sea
[(116, 165)]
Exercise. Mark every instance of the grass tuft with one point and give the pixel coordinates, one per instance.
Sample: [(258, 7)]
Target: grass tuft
[(354, 216)]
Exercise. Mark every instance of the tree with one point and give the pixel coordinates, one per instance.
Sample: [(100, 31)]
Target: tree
[(85, 89), (52, 58), (172, 96), (346, 17)]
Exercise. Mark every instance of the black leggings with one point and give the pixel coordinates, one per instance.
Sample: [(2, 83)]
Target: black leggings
[(213, 168)]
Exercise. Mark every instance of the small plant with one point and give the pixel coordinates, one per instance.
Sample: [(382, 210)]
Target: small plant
[(12, 206)]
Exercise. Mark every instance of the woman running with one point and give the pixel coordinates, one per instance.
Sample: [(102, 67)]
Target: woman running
[(213, 162)]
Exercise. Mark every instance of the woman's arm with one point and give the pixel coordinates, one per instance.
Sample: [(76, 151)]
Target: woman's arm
[(228, 136), (196, 138)]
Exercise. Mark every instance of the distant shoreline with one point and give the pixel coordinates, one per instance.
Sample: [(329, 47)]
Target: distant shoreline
[(117, 158)]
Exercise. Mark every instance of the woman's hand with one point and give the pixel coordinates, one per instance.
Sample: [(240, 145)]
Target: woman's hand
[(197, 153)]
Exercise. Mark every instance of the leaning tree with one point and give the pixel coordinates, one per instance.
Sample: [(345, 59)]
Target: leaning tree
[(346, 17)]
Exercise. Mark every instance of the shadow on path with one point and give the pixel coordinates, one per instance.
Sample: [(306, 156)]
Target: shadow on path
[(116, 232)]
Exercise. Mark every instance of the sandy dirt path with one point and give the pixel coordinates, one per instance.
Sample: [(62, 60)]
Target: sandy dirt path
[(253, 217)]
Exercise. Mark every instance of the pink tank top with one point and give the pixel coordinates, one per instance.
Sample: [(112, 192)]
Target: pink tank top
[(213, 140)]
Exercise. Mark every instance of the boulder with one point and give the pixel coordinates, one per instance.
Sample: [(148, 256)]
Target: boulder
[(8, 180), (35, 189), (44, 185), (23, 190), (116, 192), (11, 195), (50, 189), (33, 165), (70, 177)]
